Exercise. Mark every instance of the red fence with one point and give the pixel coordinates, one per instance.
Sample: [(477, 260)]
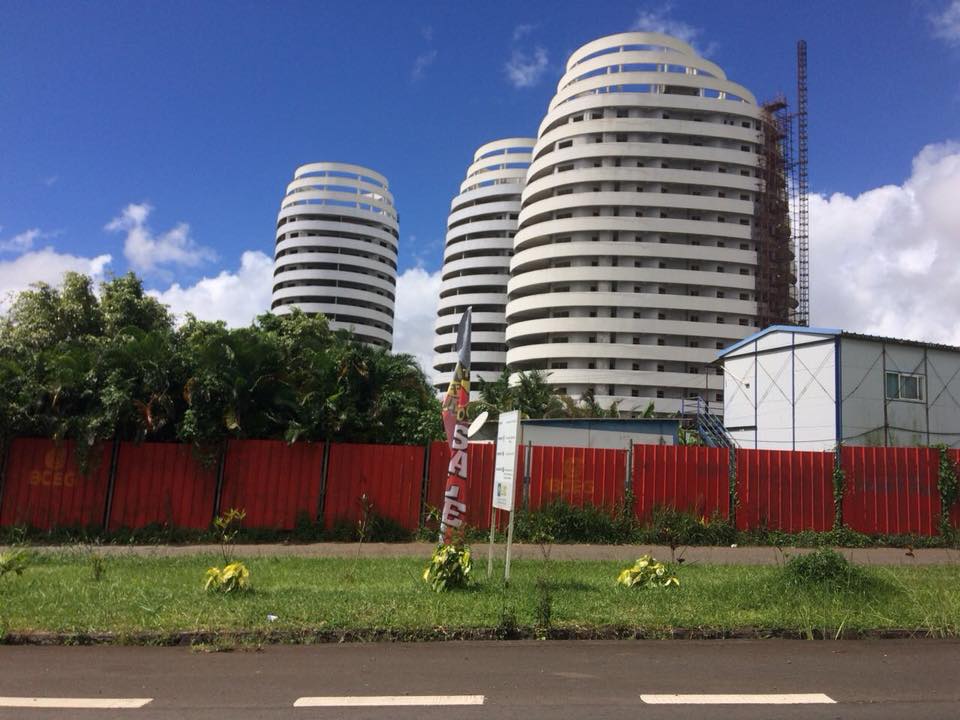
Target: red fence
[(784, 490), (391, 476), (891, 491), (44, 488), (689, 478), (273, 482), (162, 483), (888, 490), (578, 476)]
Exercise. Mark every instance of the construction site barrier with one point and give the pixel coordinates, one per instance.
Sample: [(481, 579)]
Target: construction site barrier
[(784, 490), (576, 476), (683, 477), (43, 487), (162, 484)]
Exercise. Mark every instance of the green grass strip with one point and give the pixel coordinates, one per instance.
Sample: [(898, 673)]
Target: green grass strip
[(60, 593)]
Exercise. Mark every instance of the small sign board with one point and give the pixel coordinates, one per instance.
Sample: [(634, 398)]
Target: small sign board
[(505, 466)]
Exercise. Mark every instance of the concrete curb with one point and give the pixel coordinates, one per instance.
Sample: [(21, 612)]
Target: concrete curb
[(241, 638)]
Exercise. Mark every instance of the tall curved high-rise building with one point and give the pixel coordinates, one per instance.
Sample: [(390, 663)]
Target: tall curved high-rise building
[(336, 249), (476, 259), (635, 257)]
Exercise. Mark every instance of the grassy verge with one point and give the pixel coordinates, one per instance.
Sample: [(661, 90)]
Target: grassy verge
[(61, 593)]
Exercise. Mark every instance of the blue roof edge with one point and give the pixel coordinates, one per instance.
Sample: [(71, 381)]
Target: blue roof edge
[(798, 329)]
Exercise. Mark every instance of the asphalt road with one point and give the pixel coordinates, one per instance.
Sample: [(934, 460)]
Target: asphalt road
[(915, 679)]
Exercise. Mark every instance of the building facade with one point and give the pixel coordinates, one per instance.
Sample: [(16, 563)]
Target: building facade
[(336, 249), (635, 256), (476, 258), (781, 390)]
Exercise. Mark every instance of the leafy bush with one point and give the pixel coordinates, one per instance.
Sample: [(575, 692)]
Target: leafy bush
[(647, 571), (13, 561), (823, 568), (227, 525), (449, 567), (565, 523), (669, 526), (234, 577)]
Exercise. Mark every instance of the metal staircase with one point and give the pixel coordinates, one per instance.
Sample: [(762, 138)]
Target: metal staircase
[(696, 414)]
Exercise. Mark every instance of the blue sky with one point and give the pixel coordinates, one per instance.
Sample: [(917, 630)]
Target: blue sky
[(178, 124)]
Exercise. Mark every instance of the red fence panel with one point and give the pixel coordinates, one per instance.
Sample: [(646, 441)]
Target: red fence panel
[(391, 476), (891, 490), (578, 476), (481, 458), (43, 487), (784, 490), (162, 483), (684, 477), (271, 481)]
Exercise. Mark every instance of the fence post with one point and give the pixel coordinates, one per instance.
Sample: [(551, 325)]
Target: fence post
[(732, 484), (324, 465), (5, 446), (628, 480), (425, 484), (527, 462), (221, 463), (111, 482)]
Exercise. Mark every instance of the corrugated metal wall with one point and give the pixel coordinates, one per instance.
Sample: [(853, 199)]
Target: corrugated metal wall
[(162, 483), (44, 489), (391, 476), (888, 491), (891, 491), (684, 477), (273, 482), (784, 490), (578, 476)]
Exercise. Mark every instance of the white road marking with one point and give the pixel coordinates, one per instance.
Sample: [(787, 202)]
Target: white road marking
[(388, 700), (743, 699), (75, 703)]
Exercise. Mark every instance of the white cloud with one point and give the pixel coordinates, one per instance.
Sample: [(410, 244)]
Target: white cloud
[(145, 251), (521, 31), (47, 266), (423, 61), (51, 180), (22, 242), (234, 297), (525, 69), (659, 21), (946, 25), (887, 262), (415, 313)]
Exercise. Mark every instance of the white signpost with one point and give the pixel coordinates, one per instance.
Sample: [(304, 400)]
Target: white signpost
[(504, 481)]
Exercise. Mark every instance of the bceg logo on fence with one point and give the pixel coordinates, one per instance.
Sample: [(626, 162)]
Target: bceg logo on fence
[(54, 473)]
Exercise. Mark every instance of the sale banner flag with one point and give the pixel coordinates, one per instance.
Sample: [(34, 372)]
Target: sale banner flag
[(455, 424)]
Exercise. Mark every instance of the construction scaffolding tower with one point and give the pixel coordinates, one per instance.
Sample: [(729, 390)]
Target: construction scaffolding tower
[(781, 230)]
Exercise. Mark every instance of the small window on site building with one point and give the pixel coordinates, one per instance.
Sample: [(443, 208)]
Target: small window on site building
[(904, 386)]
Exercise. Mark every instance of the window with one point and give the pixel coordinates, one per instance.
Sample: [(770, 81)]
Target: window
[(659, 393), (591, 366), (636, 367), (904, 386), (558, 365)]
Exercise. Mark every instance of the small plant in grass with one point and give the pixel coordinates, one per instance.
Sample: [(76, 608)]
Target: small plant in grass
[(227, 526), (98, 567), (544, 608), (647, 571), (232, 578), (13, 562), (823, 568), (449, 567)]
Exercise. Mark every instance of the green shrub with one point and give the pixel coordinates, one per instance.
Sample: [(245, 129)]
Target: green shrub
[(669, 526), (234, 577), (822, 569), (647, 571), (449, 567), (13, 561), (566, 523)]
